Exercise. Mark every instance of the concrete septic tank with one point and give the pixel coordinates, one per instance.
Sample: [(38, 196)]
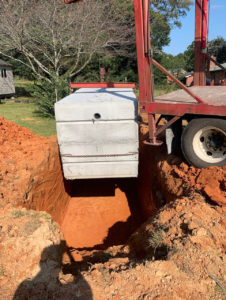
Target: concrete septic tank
[(97, 133)]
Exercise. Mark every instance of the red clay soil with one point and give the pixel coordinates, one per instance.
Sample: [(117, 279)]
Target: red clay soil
[(98, 212), (101, 213), (178, 253), (30, 171), (89, 219), (31, 176), (172, 178)]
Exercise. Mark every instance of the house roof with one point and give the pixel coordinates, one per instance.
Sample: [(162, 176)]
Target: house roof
[(5, 63), (216, 68)]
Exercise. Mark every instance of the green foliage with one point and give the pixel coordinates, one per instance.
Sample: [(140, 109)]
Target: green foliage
[(216, 48), (2, 270), (47, 93), (17, 213), (119, 67), (221, 55), (216, 45), (172, 10), (19, 69), (160, 30), (189, 57), (156, 239)]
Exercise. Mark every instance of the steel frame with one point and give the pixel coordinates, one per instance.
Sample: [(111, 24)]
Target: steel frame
[(146, 79), (145, 61)]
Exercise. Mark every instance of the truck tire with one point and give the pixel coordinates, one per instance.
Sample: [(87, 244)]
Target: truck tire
[(203, 142)]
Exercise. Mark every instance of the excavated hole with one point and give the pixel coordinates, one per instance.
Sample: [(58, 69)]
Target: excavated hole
[(97, 214), (101, 213), (104, 212)]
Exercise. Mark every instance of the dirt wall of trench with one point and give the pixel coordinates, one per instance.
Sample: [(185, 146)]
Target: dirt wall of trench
[(30, 171), (95, 213), (183, 243)]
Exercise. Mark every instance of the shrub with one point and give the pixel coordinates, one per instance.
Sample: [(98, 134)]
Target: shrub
[(46, 94)]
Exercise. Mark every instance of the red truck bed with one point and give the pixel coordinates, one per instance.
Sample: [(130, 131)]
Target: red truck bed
[(180, 103)]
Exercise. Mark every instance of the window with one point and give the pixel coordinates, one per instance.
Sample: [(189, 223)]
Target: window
[(3, 73)]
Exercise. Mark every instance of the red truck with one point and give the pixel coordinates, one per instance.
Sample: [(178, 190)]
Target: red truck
[(201, 107)]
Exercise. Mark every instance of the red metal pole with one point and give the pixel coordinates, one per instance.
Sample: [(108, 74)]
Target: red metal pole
[(102, 73), (200, 42), (141, 11), (204, 24), (146, 25)]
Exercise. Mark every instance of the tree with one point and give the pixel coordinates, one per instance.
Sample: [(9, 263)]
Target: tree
[(189, 57), (163, 15), (216, 48), (221, 55), (58, 40), (172, 10)]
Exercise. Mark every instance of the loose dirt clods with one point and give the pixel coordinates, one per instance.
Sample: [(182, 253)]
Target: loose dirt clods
[(177, 253)]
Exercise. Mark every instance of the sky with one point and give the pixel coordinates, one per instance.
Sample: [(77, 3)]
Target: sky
[(182, 37)]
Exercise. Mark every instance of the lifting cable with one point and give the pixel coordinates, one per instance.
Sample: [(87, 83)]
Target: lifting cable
[(208, 25)]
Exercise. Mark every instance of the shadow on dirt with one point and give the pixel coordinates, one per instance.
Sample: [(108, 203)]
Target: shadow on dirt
[(51, 282)]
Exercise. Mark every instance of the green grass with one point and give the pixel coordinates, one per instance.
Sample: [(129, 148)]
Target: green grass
[(164, 89), (24, 115), (161, 89), (22, 111), (20, 82)]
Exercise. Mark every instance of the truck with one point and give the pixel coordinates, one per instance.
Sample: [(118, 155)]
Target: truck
[(201, 108)]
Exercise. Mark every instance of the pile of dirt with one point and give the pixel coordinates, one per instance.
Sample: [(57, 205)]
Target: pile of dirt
[(178, 253), (170, 178), (105, 211), (31, 253), (30, 171), (177, 179)]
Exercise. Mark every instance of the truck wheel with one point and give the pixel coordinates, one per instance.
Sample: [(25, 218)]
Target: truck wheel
[(203, 142)]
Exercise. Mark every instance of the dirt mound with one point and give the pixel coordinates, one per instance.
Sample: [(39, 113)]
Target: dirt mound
[(170, 177), (177, 178), (177, 254), (91, 213), (31, 253), (30, 171)]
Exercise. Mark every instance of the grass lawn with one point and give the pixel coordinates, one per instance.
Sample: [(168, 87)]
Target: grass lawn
[(23, 113)]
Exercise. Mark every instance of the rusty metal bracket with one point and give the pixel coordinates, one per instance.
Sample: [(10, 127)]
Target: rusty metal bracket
[(154, 132), (162, 128)]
